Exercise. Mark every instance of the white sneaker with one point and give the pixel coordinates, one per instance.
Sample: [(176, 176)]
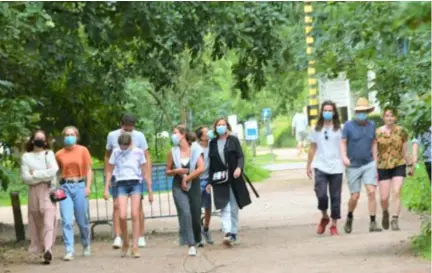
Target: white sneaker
[(68, 257), (87, 251), (141, 242), (117, 243), (192, 251)]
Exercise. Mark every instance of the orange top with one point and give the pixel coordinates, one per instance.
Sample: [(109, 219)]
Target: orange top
[(74, 162)]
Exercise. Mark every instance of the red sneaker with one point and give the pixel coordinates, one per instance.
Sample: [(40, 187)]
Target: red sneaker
[(322, 225), (333, 231)]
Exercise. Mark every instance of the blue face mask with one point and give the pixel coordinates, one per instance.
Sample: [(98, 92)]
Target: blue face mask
[(361, 116), (70, 140), (221, 129), (175, 140), (327, 115), (210, 134)]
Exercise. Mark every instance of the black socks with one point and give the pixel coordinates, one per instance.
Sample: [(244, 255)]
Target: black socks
[(372, 218), (206, 229), (350, 215)]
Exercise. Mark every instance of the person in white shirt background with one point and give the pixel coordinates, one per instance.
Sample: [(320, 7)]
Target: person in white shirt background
[(127, 124), (38, 169), (299, 127)]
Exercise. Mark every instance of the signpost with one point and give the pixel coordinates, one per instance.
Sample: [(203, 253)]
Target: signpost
[(266, 117), (251, 133)]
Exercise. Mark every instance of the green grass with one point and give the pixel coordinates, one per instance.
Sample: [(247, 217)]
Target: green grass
[(416, 196), (265, 159)]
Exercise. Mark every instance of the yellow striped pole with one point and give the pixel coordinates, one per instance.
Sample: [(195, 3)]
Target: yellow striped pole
[(312, 81)]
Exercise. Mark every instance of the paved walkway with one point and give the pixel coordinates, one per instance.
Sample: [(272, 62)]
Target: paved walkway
[(277, 236)]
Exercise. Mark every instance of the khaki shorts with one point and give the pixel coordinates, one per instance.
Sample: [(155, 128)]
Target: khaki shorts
[(366, 175), (301, 136)]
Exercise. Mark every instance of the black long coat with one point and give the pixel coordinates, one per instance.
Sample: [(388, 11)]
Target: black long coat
[(234, 158)]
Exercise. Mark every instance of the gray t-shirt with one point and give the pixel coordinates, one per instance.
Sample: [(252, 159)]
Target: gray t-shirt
[(359, 142), (328, 155), (299, 122), (205, 174), (138, 141), (221, 146)]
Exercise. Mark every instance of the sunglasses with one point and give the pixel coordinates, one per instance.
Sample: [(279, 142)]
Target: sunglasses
[(326, 137)]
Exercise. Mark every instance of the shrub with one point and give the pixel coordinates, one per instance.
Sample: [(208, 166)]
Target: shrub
[(377, 119), (417, 198), (253, 170)]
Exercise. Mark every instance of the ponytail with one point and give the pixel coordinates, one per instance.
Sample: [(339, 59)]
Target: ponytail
[(190, 136)]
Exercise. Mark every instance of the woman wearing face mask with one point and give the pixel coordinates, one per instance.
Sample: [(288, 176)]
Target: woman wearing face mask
[(392, 159), (130, 164), (225, 176), (76, 176), (38, 169), (328, 166), (203, 136), (186, 164)]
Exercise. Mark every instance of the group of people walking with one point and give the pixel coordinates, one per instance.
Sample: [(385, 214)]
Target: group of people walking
[(205, 161), (377, 158), (199, 162)]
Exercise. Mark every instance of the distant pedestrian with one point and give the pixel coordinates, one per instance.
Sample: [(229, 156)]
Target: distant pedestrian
[(359, 153), (226, 178), (424, 140), (38, 170), (327, 166), (130, 165), (299, 129), (392, 163), (186, 164), (206, 202), (76, 177)]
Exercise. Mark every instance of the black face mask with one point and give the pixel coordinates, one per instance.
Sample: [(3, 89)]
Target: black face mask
[(39, 143)]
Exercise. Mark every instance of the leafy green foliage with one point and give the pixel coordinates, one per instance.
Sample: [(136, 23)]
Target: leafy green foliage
[(391, 38), (417, 197)]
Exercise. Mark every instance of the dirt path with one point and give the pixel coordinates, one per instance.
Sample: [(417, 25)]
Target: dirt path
[(277, 235)]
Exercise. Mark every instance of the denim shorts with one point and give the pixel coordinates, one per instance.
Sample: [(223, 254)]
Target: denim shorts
[(128, 187), (205, 196)]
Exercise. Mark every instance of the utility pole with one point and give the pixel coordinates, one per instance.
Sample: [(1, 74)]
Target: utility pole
[(312, 81)]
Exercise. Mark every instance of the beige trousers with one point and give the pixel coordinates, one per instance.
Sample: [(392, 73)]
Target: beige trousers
[(42, 219)]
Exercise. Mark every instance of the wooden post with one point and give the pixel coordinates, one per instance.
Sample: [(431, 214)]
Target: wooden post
[(18, 220)]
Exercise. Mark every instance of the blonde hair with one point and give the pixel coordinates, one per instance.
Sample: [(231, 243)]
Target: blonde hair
[(75, 129)]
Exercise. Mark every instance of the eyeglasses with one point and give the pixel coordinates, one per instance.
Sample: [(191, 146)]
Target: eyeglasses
[(326, 137)]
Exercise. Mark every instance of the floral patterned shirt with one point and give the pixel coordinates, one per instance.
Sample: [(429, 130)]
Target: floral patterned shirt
[(390, 147)]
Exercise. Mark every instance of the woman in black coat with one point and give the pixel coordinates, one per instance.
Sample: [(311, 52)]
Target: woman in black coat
[(225, 176)]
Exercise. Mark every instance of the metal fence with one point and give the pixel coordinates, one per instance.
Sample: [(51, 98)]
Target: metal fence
[(100, 210)]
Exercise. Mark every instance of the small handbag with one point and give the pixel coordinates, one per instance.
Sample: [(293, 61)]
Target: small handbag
[(220, 177), (57, 195)]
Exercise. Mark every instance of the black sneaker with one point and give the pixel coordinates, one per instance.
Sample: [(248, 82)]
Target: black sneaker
[(348, 225), (47, 257), (385, 220)]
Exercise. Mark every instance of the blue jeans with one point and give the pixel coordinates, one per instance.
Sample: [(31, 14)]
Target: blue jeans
[(76, 204), (205, 196)]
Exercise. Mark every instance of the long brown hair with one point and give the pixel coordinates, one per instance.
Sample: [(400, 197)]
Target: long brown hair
[(30, 146), (216, 122), (190, 137), (336, 120)]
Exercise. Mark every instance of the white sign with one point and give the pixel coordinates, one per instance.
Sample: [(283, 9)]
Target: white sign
[(338, 91), (251, 130)]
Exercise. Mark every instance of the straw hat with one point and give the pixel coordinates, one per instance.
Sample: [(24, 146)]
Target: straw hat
[(363, 105)]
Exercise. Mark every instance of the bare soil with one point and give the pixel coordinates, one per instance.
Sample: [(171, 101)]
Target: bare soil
[(277, 235)]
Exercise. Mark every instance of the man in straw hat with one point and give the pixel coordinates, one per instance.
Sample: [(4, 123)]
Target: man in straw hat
[(359, 154)]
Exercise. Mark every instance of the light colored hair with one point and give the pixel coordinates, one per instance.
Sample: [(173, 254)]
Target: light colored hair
[(75, 129)]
